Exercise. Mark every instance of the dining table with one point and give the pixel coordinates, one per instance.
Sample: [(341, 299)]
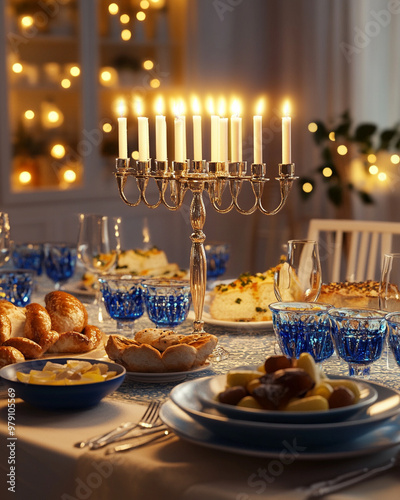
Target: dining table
[(41, 462)]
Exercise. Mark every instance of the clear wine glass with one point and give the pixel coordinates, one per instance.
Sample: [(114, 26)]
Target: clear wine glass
[(299, 278), (98, 247), (389, 289), (5, 238)]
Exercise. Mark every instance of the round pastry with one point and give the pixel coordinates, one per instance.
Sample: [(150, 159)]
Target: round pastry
[(37, 324), (29, 348), (5, 328), (67, 313), (16, 315), (10, 355), (75, 342)]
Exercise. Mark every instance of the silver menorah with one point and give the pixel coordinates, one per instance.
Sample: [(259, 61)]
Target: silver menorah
[(200, 176)]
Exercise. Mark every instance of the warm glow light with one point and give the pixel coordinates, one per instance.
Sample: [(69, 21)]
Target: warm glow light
[(312, 127), (121, 107), (124, 19), (53, 116), (75, 71), (25, 177), (371, 158), (332, 136), (395, 159), (155, 83), (144, 4), (221, 106), (373, 169), (107, 128), (126, 35), (260, 106), (159, 106), (65, 83), (17, 67), (327, 172), (307, 187), (286, 108), (140, 16), (69, 176), (138, 106), (148, 64), (105, 76), (113, 9), (178, 107), (210, 105), (342, 149), (27, 21), (135, 155), (29, 114), (158, 4), (195, 104), (58, 151), (382, 176), (108, 76)]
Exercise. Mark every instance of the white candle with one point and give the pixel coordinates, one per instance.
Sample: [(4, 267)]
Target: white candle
[(197, 139), (183, 117), (161, 138), (215, 138), (122, 138), (223, 139), (257, 138), (179, 139), (143, 125), (286, 140), (236, 138)]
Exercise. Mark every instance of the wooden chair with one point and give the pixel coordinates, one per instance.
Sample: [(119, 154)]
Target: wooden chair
[(352, 250)]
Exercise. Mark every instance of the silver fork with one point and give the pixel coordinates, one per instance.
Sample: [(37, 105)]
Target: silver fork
[(148, 420)]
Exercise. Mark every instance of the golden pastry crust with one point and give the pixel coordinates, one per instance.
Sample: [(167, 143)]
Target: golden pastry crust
[(75, 342), (67, 313), (38, 322), (5, 328), (10, 355), (16, 315), (362, 294), (29, 348)]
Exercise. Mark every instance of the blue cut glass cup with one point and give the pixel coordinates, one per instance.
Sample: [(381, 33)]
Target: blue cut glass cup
[(28, 256), (359, 336), (59, 262), (303, 327), (123, 299), (393, 323), (217, 255), (167, 301), (17, 286)]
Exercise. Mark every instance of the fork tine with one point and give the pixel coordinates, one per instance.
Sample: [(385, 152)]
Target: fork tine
[(152, 414)]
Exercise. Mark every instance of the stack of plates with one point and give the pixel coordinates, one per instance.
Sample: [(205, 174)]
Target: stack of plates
[(194, 414)]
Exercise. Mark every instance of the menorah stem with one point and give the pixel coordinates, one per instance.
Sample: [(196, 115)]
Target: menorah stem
[(198, 263)]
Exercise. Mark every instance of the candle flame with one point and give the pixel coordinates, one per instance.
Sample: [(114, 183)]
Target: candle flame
[(159, 105), (178, 107), (260, 106), (286, 108), (210, 105), (236, 107), (121, 107), (196, 106), (138, 106), (221, 106)]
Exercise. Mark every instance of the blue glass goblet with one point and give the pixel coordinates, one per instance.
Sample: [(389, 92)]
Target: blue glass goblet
[(393, 322), (123, 299), (359, 337), (59, 262), (16, 286), (217, 255), (303, 327), (28, 256), (167, 301)]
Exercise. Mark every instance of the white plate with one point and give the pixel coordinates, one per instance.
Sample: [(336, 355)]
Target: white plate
[(79, 288), (208, 388), (165, 377), (251, 432), (187, 428)]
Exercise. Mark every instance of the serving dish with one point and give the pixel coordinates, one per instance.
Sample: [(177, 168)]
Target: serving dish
[(60, 397), (208, 388), (165, 377)]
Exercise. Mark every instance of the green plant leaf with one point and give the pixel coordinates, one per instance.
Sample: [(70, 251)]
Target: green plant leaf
[(366, 197), (326, 155), (386, 137), (321, 134), (364, 131), (335, 194)]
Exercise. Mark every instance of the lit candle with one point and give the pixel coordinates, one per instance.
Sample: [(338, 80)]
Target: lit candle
[(179, 131), (286, 135), (197, 137), (236, 134), (122, 138), (257, 135), (161, 132), (223, 139), (143, 126), (215, 138)]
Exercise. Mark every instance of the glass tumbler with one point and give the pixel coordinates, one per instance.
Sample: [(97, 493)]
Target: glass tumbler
[(16, 286), (217, 255), (167, 301), (303, 327), (359, 336), (28, 256), (393, 322)]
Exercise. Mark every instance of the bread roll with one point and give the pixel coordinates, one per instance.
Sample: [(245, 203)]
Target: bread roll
[(67, 313)]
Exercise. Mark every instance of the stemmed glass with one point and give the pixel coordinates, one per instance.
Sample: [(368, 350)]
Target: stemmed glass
[(98, 247), (299, 278), (5, 238), (389, 292), (59, 262)]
